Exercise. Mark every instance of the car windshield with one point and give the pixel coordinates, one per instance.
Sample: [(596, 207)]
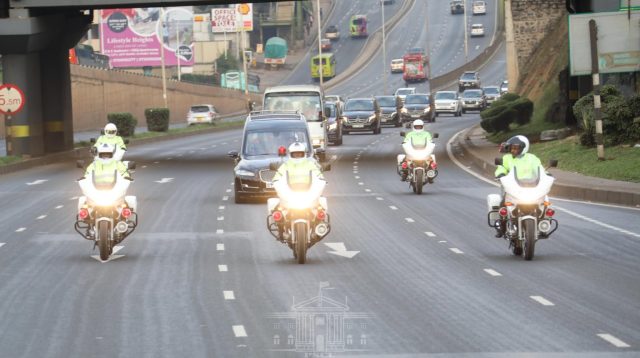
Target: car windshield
[(478, 3), (417, 99), (325, 41), (476, 26), (332, 98), (199, 109), (445, 95), (266, 142), (491, 90), (359, 105), (404, 92), (306, 103), (396, 62), (386, 101), (416, 50), (472, 94), (332, 28), (468, 76), (330, 109)]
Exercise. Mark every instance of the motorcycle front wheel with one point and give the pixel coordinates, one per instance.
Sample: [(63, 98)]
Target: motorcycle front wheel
[(419, 181), (529, 239), (300, 231), (104, 242)]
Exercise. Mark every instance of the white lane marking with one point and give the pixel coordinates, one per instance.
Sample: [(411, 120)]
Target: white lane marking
[(541, 300), (144, 166), (356, 162), (232, 183), (221, 207), (239, 331), (430, 234), (594, 221), (59, 206), (392, 207), (224, 143), (172, 158), (339, 249), (220, 247), (164, 180), (456, 250), (442, 241), (223, 268), (41, 217), (220, 218), (228, 190), (379, 198), (116, 249), (492, 272), (225, 198), (37, 182), (156, 162), (74, 198), (357, 176), (2, 244), (21, 229), (355, 172), (219, 231), (613, 340), (477, 47), (409, 220), (228, 295), (368, 190), (360, 183), (334, 157)]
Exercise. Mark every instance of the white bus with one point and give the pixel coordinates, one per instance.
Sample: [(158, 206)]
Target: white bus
[(308, 100)]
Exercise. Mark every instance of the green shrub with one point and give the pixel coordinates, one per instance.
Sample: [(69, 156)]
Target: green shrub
[(524, 110), (125, 122), (510, 108), (157, 119)]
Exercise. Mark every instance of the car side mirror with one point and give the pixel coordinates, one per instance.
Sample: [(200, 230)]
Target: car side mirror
[(233, 154), (326, 167), (92, 140), (402, 134), (80, 164), (274, 166), (497, 161), (553, 163), (436, 135)]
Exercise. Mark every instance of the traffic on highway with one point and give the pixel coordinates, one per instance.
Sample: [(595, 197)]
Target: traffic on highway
[(340, 217)]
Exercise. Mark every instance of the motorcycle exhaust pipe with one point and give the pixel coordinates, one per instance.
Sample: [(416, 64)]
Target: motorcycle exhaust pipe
[(544, 226), (321, 229), (122, 227)]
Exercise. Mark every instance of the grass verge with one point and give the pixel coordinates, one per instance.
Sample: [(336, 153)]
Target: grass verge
[(9, 159), (621, 163)]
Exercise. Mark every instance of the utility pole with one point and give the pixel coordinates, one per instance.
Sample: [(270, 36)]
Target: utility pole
[(178, 51), (464, 14), (595, 73), (384, 50), (320, 60), (164, 74), (428, 53)]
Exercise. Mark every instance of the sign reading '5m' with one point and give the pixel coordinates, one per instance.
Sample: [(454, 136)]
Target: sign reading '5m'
[(11, 99)]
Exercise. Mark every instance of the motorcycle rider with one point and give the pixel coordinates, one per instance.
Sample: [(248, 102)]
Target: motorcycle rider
[(418, 136), (110, 137), (298, 168), (518, 157), (105, 167)]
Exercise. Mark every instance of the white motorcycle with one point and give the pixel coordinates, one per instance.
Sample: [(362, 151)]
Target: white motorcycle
[(418, 164), (106, 215), (298, 216), (117, 155), (526, 212)]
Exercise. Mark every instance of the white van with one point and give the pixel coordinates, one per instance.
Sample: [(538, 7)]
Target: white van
[(308, 99)]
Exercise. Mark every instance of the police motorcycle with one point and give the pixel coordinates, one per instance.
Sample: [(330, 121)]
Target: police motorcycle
[(526, 211), (298, 216), (106, 215), (418, 163), (110, 130)]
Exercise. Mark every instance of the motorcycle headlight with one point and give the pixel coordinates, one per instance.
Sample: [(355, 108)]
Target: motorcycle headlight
[(404, 110), (104, 198), (245, 173)]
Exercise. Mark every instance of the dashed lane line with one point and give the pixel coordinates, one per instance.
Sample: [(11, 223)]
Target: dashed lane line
[(223, 268), (430, 234), (492, 272), (239, 331), (41, 217), (59, 206), (541, 300), (379, 198), (219, 231), (456, 250), (225, 198), (2, 244), (21, 229), (220, 218), (228, 295), (613, 340), (409, 220), (393, 207), (220, 247), (221, 207)]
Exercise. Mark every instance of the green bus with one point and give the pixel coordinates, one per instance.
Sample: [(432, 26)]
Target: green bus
[(328, 66), (358, 26)]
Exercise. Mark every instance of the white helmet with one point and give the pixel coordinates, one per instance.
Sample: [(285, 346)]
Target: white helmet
[(110, 130), (105, 151), (297, 151), (418, 123), (526, 144)]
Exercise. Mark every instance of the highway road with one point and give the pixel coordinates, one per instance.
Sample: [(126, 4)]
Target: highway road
[(402, 274)]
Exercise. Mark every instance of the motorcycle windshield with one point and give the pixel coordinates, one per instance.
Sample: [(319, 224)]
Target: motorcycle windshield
[(299, 196), (104, 196), (528, 190), (419, 152)]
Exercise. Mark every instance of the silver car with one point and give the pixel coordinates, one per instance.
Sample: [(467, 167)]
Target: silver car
[(448, 102), (202, 113), (492, 93), (473, 99)]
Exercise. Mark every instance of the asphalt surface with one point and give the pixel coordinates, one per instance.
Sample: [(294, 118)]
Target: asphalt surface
[(202, 277)]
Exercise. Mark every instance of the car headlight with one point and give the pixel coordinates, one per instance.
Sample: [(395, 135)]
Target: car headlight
[(427, 110), (333, 126), (372, 117), (245, 173), (404, 110)]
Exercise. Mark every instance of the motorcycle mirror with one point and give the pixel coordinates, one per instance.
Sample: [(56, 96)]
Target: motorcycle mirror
[(232, 154), (274, 166), (402, 134), (436, 135), (131, 165), (80, 164), (326, 167), (92, 140), (498, 161), (553, 163), (126, 141)]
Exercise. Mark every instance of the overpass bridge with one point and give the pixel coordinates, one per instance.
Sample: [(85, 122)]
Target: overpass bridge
[(35, 38)]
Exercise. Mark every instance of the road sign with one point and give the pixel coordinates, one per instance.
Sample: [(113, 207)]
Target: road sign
[(11, 99)]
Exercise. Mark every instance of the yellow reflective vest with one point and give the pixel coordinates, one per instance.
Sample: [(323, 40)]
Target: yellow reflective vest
[(298, 172), (104, 171), (115, 141), (526, 165), (419, 138)]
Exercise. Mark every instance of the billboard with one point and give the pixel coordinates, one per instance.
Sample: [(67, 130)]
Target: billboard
[(618, 42), (133, 37), (238, 17)]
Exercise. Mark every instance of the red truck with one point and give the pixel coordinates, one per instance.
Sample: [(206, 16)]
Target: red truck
[(414, 68)]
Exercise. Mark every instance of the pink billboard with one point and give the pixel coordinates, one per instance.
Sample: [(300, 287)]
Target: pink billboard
[(133, 37)]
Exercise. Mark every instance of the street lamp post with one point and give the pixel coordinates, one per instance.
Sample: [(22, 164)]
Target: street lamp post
[(384, 50), (164, 75), (320, 62), (178, 51), (464, 14)]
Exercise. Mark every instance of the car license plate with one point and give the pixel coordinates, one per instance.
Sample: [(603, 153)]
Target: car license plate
[(358, 126)]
